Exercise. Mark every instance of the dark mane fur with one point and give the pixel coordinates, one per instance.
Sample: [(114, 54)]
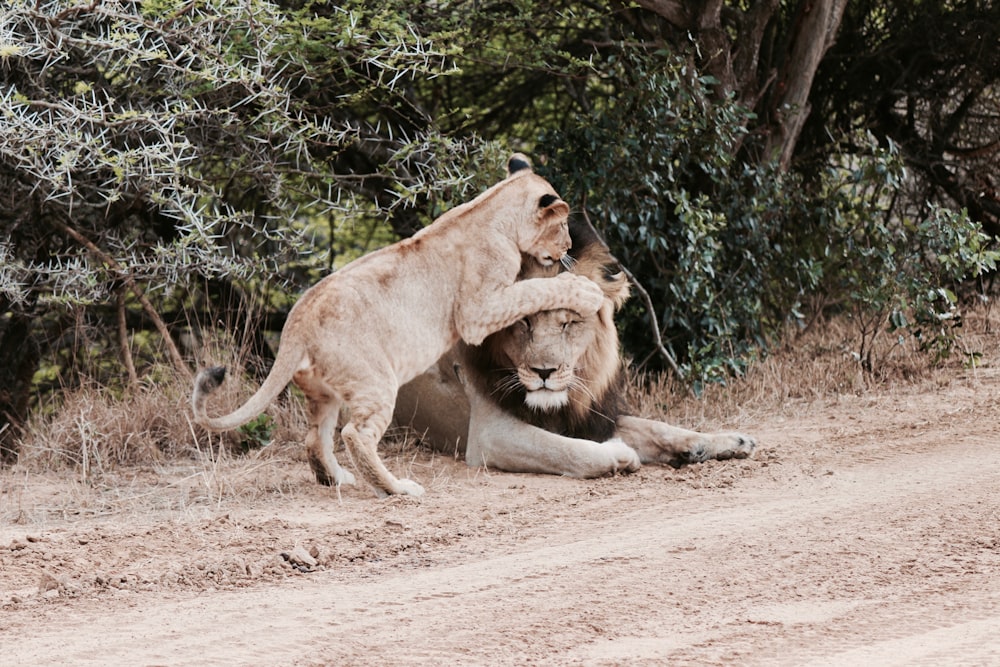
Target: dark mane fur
[(592, 415), (596, 420)]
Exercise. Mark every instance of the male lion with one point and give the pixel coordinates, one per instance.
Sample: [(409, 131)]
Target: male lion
[(545, 395), (361, 332)]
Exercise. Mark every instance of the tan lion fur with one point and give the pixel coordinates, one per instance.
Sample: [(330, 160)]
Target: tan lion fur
[(360, 333), (545, 394)]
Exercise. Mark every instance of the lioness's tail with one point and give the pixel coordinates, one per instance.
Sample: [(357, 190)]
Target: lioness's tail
[(209, 379)]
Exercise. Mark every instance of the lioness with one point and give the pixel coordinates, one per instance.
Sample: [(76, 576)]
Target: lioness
[(545, 394), (361, 332)]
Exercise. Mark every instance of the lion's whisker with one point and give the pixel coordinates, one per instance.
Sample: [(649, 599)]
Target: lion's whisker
[(589, 405), (507, 385), (582, 385)]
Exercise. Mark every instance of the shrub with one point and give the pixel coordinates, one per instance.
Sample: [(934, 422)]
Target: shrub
[(730, 251), (713, 239), (895, 273)]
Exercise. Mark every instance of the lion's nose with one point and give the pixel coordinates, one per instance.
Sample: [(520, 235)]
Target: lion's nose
[(543, 373)]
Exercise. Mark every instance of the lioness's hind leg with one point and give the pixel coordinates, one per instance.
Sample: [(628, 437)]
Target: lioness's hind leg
[(323, 416), (362, 435)]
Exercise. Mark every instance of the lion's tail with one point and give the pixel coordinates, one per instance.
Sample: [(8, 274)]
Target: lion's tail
[(209, 379)]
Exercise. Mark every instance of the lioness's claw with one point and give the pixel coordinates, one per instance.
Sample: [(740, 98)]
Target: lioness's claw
[(588, 293)]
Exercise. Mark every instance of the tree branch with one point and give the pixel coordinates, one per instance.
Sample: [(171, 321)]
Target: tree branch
[(174, 353), (658, 339), (818, 23), (650, 310), (671, 10), (133, 378)]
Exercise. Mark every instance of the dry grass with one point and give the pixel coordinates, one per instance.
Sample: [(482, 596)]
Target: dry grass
[(133, 452), (112, 452), (94, 429), (815, 365)]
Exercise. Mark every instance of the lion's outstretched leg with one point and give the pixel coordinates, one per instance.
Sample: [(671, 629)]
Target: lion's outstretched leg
[(362, 433), (497, 440), (323, 414), (662, 443)]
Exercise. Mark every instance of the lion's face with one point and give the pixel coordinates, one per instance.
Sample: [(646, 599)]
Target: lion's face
[(545, 350), (557, 369), (559, 361)]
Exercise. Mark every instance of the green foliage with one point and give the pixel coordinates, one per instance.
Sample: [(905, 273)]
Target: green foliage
[(199, 147), (188, 140), (895, 275), (217, 154), (257, 432), (711, 238), (730, 252)]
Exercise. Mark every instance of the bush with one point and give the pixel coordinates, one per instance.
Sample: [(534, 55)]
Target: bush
[(730, 252), (893, 273), (713, 239)]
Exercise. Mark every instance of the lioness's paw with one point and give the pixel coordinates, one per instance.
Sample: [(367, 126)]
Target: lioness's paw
[(341, 476), (327, 477), (407, 487), (625, 458), (587, 296)]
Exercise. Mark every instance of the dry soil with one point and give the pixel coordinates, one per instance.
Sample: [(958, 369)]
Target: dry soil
[(866, 531)]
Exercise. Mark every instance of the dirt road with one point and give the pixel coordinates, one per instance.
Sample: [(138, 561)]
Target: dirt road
[(865, 532)]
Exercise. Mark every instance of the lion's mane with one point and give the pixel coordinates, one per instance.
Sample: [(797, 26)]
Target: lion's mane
[(596, 397)]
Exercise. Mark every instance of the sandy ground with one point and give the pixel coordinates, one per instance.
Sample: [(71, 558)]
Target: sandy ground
[(866, 531)]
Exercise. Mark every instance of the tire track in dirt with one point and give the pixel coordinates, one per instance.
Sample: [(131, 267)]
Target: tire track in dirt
[(775, 574)]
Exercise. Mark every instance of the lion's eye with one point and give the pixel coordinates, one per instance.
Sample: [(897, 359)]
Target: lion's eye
[(524, 323), (571, 323)]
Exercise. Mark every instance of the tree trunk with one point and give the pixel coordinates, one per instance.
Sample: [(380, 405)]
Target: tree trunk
[(730, 41), (19, 359), (814, 32)]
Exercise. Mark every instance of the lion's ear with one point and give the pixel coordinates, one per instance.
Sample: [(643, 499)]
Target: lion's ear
[(615, 284), (518, 162)]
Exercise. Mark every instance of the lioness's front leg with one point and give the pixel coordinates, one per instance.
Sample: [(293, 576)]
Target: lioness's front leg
[(658, 442), (477, 319)]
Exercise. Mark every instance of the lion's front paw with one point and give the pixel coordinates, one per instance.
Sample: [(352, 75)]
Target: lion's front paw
[(625, 458), (734, 446), (720, 446)]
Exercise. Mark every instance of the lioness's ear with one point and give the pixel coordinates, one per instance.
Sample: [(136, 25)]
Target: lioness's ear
[(552, 205), (518, 162), (547, 200)]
